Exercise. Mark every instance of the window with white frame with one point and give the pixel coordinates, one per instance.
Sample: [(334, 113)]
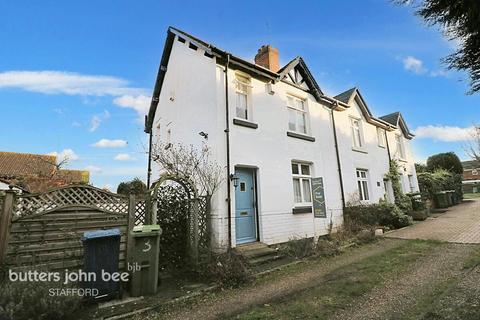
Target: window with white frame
[(362, 182), (297, 115), (381, 137), (474, 172), (411, 183), (243, 86), (400, 146), (356, 133), (302, 191)]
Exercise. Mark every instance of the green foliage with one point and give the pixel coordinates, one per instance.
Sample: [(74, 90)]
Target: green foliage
[(298, 248), (229, 270), (31, 300), (136, 187), (439, 180), (448, 161), (402, 201), (381, 214), (420, 167), (459, 20)]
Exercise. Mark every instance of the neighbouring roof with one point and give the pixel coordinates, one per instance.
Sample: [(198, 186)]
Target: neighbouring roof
[(37, 172), (396, 119), (392, 118), (15, 164), (473, 164)]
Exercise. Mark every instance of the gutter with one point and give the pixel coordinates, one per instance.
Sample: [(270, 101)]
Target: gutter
[(149, 170), (342, 191)]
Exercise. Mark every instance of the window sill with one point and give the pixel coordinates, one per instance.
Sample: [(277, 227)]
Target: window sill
[(303, 209), (383, 147), (300, 136), (245, 123), (402, 160), (359, 150)]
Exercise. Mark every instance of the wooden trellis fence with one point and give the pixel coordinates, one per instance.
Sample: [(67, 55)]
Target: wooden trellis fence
[(44, 230)]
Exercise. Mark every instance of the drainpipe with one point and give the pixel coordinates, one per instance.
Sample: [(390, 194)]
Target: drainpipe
[(338, 158), (227, 136), (388, 149), (149, 171)]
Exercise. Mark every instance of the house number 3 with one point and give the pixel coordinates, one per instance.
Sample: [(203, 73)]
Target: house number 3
[(148, 246)]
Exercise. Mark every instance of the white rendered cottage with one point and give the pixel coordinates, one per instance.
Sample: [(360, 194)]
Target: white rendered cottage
[(295, 154)]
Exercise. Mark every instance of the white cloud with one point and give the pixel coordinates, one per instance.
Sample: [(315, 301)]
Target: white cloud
[(65, 155), (70, 83), (445, 133), (123, 157), (94, 123), (139, 103), (107, 143), (93, 169), (413, 64), (439, 73), (97, 120)]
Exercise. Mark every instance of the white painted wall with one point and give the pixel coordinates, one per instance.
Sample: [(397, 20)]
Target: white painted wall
[(193, 100), (371, 157)]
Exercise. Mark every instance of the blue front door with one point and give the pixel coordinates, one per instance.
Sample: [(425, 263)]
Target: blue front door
[(245, 215)]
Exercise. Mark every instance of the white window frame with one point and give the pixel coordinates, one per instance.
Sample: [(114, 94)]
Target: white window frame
[(301, 177), (400, 146), (411, 183), (297, 110), (381, 136), (362, 184), (243, 86), (474, 172), (356, 127)]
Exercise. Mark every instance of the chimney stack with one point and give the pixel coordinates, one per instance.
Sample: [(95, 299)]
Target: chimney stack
[(267, 57)]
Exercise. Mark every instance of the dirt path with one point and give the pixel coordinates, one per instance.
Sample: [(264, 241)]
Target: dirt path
[(393, 299), (236, 301)]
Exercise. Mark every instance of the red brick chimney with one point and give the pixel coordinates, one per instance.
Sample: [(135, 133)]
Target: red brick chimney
[(267, 57)]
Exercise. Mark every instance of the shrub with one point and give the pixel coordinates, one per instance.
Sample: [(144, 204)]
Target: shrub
[(229, 269), (327, 247), (431, 183), (298, 248), (381, 214), (31, 300)]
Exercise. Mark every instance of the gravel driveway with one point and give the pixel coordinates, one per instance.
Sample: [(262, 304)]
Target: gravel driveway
[(461, 224)]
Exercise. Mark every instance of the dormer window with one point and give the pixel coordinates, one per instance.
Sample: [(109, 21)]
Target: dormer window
[(357, 138), (400, 146), (243, 100)]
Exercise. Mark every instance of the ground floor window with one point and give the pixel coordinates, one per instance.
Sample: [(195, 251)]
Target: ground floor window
[(362, 181), (302, 191)]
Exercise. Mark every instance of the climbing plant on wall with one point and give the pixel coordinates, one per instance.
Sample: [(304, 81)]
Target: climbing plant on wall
[(402, 201)]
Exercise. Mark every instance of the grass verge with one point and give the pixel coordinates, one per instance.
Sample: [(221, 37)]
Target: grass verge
[(342, 286)]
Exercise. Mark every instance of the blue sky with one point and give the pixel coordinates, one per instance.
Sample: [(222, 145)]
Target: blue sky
[(76, 77)]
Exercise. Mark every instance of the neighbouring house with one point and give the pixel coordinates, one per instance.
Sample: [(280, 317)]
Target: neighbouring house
[(293, 156), (33, 173), (471, 176)]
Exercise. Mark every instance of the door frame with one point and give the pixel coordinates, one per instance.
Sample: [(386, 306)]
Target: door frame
[(253, 170)]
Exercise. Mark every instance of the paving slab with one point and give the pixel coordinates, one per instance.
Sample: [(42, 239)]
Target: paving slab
[(460, 224)]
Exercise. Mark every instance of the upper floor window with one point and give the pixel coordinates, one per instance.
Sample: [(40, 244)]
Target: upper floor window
[(297, 115), (243, 108), (302, 190), (356, 133), (474, 172), (362, 182), (400, 146), (381, 137)]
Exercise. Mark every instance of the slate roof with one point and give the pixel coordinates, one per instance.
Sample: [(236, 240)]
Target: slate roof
[(470, 164), (345, 96), (392, 118)]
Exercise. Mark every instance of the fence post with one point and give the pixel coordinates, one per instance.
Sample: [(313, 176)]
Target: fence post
[(148, 208), (131, 223), (5, 221)]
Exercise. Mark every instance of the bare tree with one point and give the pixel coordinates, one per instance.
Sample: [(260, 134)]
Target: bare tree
[(473, 147), (189, 163)]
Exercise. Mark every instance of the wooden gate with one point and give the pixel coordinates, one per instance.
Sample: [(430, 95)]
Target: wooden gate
[(44, 230)]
